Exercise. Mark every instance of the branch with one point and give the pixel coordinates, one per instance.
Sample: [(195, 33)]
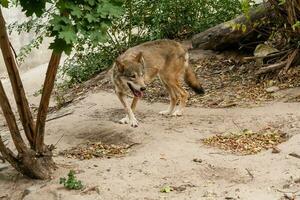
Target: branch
[(267, 56), (11, 121), (45, 99), (290, 60), (17, 86), (13, 49), (272, 67), (8, 155)]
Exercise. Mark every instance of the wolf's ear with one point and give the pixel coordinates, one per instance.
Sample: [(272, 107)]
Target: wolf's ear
[(120, 66), (140, 58)]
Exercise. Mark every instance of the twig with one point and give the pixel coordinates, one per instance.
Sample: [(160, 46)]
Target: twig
[(59, 140), (271, 67), (89, 190), (249, 173), (240, 129), (60, 116), (267, 56), (14, 51), (131, 145), (294, 155), (293, 192), (290, 60)]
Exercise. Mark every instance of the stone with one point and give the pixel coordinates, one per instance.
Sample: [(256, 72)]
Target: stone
[(272, 89)]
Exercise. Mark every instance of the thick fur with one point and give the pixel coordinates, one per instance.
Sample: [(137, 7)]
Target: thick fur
[(191, 79), (139, 65)]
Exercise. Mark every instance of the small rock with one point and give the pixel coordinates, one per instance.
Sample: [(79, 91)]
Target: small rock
[(98, 190), (275, 150), (29, 190), (272, 89), (297, 180), (197, 160)]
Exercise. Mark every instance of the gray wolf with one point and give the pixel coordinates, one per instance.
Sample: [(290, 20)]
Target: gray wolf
[(139, 65)]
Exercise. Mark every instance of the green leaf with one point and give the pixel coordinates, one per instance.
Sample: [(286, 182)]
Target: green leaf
[(90, 18), (296, 25), (281, 2), (60, 45), (68, 35), (166, 189), (33, 7), (91, 2), (76, 12), (4, 3), (109, 9)]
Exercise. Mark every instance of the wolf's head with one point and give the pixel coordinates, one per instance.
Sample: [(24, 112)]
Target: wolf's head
[(132, 74)]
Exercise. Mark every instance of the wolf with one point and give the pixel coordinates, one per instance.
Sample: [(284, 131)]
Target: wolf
[(137, 67)]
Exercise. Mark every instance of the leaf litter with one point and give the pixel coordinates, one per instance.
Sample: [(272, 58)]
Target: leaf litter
[(227, 81), (96, 150), (246, 142)]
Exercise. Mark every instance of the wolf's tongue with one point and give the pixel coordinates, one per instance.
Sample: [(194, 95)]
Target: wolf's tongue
[(138, 93)]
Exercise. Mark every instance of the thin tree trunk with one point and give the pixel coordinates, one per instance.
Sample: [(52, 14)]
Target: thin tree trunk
[(29, 162), (17, 86), (45, 99), (9, 155), (11, 121)]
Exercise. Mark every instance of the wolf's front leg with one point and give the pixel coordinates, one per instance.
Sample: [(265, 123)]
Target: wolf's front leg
[(130, 118)]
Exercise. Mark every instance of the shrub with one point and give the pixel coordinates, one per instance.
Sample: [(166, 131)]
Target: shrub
[(147, 20)]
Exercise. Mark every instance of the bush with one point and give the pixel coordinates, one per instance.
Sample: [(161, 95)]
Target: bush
[(183, 18), (147, 20)]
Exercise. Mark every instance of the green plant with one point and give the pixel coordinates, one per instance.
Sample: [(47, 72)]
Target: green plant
[(71, 182), (68, 23), (145, 20), (142, 20)]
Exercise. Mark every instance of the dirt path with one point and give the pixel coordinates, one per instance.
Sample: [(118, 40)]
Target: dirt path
[(166, 154)]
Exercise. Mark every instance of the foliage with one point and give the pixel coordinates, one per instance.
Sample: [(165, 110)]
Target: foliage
[(246, 6), (68, 22), (142, 20), (147, 20), (181, 18), (71, 182)]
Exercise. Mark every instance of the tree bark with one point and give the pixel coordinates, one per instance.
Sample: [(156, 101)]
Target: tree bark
[(17, 86), (11, 122), (29, 162), (44, 103), (224, 35), (272, 67)]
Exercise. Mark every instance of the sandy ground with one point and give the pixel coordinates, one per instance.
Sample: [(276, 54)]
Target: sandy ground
[(165, 154)]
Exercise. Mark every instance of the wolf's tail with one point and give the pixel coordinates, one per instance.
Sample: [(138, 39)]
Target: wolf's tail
[(190, 77)]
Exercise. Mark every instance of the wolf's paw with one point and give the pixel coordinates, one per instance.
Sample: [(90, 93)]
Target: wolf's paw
[(177, 113), (125, 120), (134, 123), (165, 112)]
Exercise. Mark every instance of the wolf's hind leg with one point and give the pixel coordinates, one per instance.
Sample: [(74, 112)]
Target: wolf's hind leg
[(183, 97), (173, 98)]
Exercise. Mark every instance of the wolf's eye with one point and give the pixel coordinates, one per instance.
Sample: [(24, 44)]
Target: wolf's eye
[(133, 76)]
